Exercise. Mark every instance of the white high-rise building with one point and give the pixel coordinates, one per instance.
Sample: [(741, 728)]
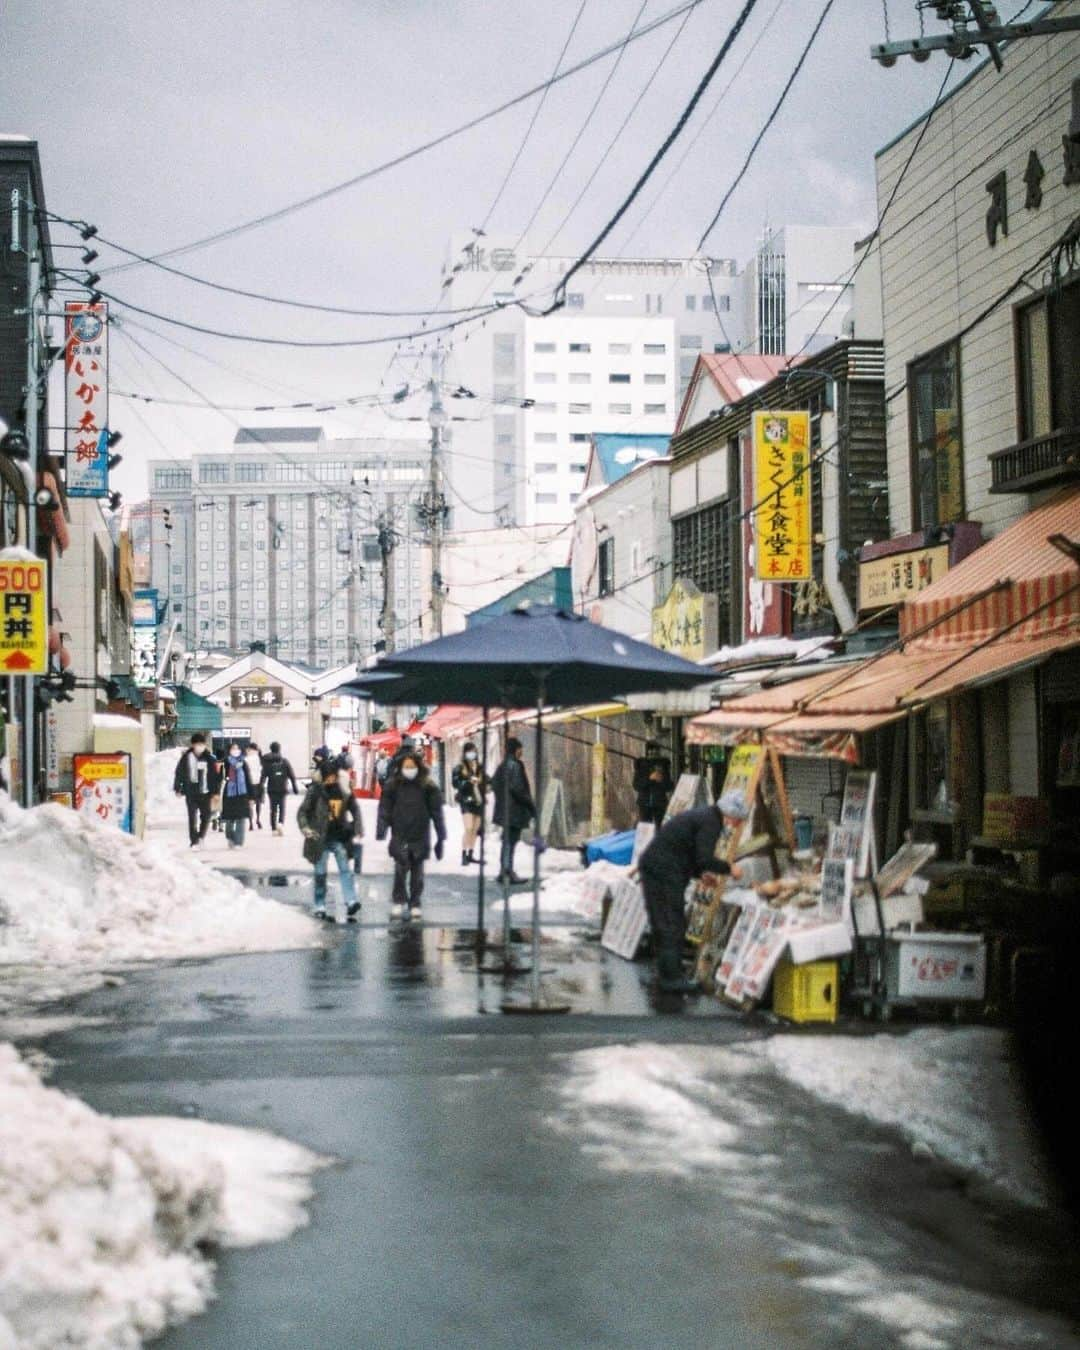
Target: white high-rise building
[(616, 357), (277, 541)]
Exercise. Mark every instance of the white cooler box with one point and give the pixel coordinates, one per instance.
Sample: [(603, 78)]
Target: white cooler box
[(936, 967)]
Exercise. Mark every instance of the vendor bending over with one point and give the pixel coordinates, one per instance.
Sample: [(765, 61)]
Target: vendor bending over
[(684, 848)]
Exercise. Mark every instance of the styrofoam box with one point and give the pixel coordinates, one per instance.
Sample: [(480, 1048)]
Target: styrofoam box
[(896, 909), (816, 943), (936, 966)]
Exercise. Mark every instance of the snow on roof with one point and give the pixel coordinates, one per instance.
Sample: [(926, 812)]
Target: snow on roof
[(771, 649)]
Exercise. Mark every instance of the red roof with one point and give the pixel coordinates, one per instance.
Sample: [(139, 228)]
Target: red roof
[(735, 376)]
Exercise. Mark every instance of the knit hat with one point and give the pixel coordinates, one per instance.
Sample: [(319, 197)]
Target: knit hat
[(733, 805)]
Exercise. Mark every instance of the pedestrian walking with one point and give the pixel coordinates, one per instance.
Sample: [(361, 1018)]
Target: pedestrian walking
[(382, 768), (513, 807), (653, 784), (235, 797), (684, 848), (330, 819), (409, 807), (196, 780), (320, 757), (278, 776), (253, 762), (470, 786)]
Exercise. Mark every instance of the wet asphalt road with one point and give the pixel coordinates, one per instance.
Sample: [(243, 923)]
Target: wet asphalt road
[(464, 1211)]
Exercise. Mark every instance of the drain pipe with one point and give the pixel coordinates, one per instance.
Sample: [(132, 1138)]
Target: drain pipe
[(830, 524)]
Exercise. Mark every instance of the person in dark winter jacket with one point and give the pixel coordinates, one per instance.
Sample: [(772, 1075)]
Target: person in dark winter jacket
[(514, 807), (408, 808), (470, 785), (235, 797), (277, 778), (196, 780), (681, 850), (330, 819), (652, 784)]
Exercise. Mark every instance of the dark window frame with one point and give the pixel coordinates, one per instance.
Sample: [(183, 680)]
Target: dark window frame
[(916, 443), (605, 567), (1048, 298)]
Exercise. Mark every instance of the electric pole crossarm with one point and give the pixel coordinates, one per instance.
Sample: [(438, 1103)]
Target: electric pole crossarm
[(920, 48)]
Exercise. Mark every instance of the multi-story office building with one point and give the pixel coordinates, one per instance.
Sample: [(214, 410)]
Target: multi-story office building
[(278, 541), (616, 357)]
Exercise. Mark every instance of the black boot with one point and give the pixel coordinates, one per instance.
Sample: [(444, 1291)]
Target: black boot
[(466, 857), (670, 976)]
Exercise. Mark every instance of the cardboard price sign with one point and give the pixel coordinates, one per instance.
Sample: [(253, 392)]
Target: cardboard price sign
[(24, 624)]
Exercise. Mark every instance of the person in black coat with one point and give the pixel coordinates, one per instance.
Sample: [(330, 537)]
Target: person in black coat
[(470, 784), (408, 808), (514, 807), (197, 779), (277, 777), (683, 849), (652, 784)]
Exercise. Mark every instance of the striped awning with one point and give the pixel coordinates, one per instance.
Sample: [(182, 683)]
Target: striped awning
[(1019, 584)]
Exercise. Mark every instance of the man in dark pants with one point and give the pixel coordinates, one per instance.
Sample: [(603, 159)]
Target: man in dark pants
[(652, 784), (277, 775), (196, 780), (514, 807), (409, 807), (683, 849)]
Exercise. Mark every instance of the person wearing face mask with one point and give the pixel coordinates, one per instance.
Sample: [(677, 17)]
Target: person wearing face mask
[(196, 780), (514, 807), (234, 801), (470, 787), (408, 808)]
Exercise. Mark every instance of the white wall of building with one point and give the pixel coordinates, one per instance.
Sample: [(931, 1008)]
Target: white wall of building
[(939, 271), (481, 566)]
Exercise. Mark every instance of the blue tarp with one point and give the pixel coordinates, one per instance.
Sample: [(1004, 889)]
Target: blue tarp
[(615, 847)]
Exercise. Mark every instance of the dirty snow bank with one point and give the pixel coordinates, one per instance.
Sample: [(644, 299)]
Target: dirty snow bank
[(578, 891), (955, 1092), (103, 1222), (77, 896), (163, 806)]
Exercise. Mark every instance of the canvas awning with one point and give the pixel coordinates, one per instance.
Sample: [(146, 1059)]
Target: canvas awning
[(195, 713), (449, 719)]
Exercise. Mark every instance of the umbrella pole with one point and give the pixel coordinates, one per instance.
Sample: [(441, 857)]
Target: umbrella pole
[(481, 925), (506, 826)]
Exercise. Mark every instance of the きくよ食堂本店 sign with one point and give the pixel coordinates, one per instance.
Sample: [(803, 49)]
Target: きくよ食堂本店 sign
[(782, 514)]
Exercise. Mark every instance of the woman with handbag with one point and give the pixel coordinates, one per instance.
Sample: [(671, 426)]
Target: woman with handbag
[(235, 797), (331, 822), (470, 784)]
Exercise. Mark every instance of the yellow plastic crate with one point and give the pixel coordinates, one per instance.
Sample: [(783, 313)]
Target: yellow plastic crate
[(806, 993)]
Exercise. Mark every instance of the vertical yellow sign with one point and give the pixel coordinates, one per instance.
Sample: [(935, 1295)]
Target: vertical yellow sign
[(783, 518), (24, 625)]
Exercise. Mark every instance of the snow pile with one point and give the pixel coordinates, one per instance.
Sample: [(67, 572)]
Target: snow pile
[(77, 894), (163, 806), (575, 892), (103, 1223), (955, 1092)]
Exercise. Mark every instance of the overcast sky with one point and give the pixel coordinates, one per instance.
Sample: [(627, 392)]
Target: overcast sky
[(162, 124)]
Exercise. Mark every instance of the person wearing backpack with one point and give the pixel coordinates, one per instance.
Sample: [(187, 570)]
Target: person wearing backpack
[(331, 822), (277, 778), (409, 806)]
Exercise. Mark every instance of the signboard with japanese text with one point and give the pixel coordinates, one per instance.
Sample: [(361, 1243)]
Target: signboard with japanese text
[(782, 497), (891, 580), (86, 399), (686, 623), (52, 749), (144, 657), (103, 788), (853, 836), (24, 623), (144, 608), (257, 696)]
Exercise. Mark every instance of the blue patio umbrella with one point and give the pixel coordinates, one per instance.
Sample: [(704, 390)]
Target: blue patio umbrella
[(538, 657)]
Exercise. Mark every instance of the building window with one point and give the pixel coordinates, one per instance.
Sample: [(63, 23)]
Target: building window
[(545, 377), (543, 348), (619, 409), (723, 303), (577, 409), (606, 566), (545, 437), (618, 377), (691, 303), (288, 473), (937, 452), (707, 304), (178, 608), (655, 377), (578, 468), (547, 498), (580, 348), (575, 299), (618, 348), (1048, 352), (580, 377), (178, 569), (656, 349), (543, 407), (690, 342), (701, 551), (547, 467), (213, 473), (580, 438), (655, 409), (172, 478), (251, 473), (333, 472)]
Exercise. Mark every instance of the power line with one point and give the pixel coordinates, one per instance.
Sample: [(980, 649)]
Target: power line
[(768, 123), (403, 158), (654, 163)]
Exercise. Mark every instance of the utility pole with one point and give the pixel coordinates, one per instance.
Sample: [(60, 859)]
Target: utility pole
[(435, 506), (386, 549)]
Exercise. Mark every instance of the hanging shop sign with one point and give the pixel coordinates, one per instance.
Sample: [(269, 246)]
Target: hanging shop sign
[(891, 580), (24, 628), (103, 788), (257, 696), (687, 622), (782, 496), (86, 399), (144, 644)]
